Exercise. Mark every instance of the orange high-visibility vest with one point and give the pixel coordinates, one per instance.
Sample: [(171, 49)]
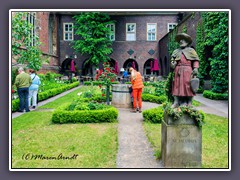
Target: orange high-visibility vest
[(137, 83)]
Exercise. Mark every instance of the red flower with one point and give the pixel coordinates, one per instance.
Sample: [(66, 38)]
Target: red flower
[(103, 95), (13, 91)]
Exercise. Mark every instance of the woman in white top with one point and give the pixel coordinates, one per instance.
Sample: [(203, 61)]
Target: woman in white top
[(33, 89)]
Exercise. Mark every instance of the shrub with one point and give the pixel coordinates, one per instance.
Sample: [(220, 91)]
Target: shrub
[(154, 115), (15, 105), (62, 115), (160, 88), (46, 94), (216, 96), (87, 83), (154, 99)]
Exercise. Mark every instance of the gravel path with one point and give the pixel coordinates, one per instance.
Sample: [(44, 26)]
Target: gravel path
[(134, 148)]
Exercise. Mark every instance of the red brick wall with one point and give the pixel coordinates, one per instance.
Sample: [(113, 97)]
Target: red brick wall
[(43, 18), (120, 46)]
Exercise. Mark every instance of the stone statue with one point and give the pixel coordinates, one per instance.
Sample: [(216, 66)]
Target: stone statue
[(185, 63)]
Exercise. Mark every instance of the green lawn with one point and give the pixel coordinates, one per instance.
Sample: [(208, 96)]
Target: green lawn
[(214, 141), (69, 97), (95, 145), (89, 145)]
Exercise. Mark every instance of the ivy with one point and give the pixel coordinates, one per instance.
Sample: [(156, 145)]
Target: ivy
[(91, 27), (172, 44), (168, 87), (216, 36), (184, 29), (200, 49), (22, 50), (176, 113)]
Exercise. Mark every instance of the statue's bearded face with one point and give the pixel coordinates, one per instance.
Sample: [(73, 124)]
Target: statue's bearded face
[(183, 43)]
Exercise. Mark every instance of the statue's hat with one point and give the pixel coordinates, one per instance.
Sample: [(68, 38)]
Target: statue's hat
[(184, 36)]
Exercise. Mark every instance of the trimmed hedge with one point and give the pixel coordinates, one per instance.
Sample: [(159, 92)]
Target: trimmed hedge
[(216, 96), (46, 94), (154, 99), (154, 115), (61, 116)]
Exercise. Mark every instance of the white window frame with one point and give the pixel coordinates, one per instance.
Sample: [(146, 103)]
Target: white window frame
[(111, 36), (31, 18), (131, 32), (151, 32), (171, 24), (68, 32)]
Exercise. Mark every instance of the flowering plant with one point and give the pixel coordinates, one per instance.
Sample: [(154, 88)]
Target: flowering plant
[(107, 76)]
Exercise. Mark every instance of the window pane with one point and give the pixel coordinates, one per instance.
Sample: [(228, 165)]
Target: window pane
[(66, 36), (130, 37), (70, 28), (70, 36), (152, 28), (130, 28), (112, 37), (66, 27), (112, 28), (153, 36)]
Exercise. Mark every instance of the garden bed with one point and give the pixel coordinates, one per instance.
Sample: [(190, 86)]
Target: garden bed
[(84, 113)]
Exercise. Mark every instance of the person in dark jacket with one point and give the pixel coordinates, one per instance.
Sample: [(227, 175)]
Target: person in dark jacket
[(22, 82)]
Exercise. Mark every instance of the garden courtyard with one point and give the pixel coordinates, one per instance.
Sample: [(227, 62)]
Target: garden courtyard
[(119, 139)]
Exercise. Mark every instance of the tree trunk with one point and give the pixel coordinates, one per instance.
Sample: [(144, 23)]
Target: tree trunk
[(108, 94)]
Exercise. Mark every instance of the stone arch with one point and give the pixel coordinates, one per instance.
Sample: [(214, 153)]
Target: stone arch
[(129, 63), (87, 68), (147, 67), (65, 66)]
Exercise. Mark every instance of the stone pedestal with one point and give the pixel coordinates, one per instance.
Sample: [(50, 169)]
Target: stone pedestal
[(181, 145), (120, 96)]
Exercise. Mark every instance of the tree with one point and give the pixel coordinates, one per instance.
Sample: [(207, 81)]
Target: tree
[(25, 45), (91, 27)]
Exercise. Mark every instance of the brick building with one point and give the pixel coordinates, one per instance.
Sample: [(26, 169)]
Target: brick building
[(135, 37)]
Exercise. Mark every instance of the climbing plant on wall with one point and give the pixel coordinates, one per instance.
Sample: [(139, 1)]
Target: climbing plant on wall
[(25, 45), (200, 48), (172, 44), (184, 28), (216, 36)]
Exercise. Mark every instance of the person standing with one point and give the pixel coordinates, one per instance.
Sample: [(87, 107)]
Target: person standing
[(22, 82), (185, 63), (137, 86), (125, 76), (33, 89)]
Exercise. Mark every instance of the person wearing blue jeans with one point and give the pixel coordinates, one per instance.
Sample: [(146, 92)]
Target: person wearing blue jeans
[(22, 82), (33, 89)]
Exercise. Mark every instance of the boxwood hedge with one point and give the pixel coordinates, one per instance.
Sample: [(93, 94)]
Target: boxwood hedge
[(46, 94), (61, 115), (154, 99), (216, 96), (154, 115)]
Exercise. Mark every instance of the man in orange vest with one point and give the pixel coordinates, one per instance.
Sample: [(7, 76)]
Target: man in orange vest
[(137, 86)]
